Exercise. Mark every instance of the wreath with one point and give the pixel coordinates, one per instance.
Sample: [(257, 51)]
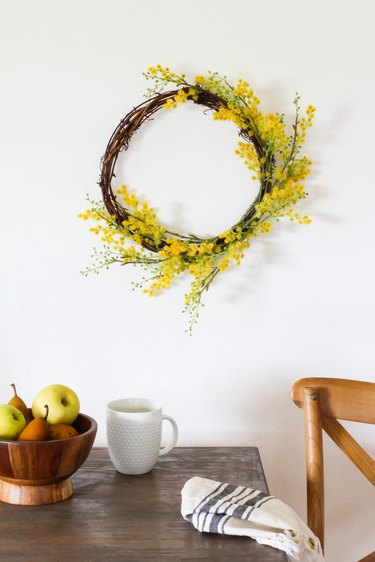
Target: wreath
[(129, 228)]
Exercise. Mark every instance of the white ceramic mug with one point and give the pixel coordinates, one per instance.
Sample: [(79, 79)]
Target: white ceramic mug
[(134, 427)]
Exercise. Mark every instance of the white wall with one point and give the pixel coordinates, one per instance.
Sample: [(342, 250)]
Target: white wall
[(302, 304)]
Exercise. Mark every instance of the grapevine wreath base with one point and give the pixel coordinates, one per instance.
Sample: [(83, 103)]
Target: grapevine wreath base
[(130, 230)]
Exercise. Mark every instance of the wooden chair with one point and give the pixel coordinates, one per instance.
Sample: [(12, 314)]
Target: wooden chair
[(323, 401)]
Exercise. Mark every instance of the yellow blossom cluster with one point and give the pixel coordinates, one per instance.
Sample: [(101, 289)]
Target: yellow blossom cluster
[(305, 123), (167, 271), (235, 253), (203, 273), (180, 97), (231, 235), (165, 73), (250, 158), (299, 169), (272, 128), (111, 235), (274, 204), (231, 114), (142, 222)]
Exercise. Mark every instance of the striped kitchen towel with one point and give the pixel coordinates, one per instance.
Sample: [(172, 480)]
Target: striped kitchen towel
[(216, 507)]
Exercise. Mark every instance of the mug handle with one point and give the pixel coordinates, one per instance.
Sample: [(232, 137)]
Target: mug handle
[(165, 450)]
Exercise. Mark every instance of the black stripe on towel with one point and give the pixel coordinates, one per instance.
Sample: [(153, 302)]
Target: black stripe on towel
[(252, 502), (256, 506), (214, 523), (224, 522), (205, 505)]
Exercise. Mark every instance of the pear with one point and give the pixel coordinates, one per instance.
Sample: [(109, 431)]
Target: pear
[(61, 431), (18, 403), (36, 430)]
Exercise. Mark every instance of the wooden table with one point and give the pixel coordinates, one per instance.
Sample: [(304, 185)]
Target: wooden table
[(116, 518)]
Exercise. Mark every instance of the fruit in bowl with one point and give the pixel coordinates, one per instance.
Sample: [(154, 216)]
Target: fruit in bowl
[(53, 411), (63, 404), (36, 469), (18, 403), (12, 422)]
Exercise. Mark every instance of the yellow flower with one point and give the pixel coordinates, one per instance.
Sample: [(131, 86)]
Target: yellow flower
[(170, 104), (181, 96)]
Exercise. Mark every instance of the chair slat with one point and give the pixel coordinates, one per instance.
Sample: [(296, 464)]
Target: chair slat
[(350, 447), (340, 398)]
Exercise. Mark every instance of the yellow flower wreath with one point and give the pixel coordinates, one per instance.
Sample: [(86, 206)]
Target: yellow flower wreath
[(130, 230)]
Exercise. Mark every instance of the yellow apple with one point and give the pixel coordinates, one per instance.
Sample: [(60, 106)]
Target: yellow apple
[(63, 404), (12, 422)]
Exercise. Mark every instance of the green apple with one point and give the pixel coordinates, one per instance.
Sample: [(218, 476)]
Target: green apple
[(12, 422), (63, 404)]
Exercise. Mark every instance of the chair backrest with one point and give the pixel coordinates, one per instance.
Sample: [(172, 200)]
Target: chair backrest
[(323, 401)]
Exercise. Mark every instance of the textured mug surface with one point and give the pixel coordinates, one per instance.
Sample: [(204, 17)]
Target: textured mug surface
[(134, 429)]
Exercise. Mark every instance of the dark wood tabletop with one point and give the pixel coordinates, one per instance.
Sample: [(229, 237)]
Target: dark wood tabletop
[(113, 518)]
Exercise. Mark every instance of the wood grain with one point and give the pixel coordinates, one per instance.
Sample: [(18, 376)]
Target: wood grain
[(35, 495), (113, 518), (340, 398), (37, 472), (314, 463)]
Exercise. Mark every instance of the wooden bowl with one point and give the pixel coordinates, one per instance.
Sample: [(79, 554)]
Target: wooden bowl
[(38, 472)]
